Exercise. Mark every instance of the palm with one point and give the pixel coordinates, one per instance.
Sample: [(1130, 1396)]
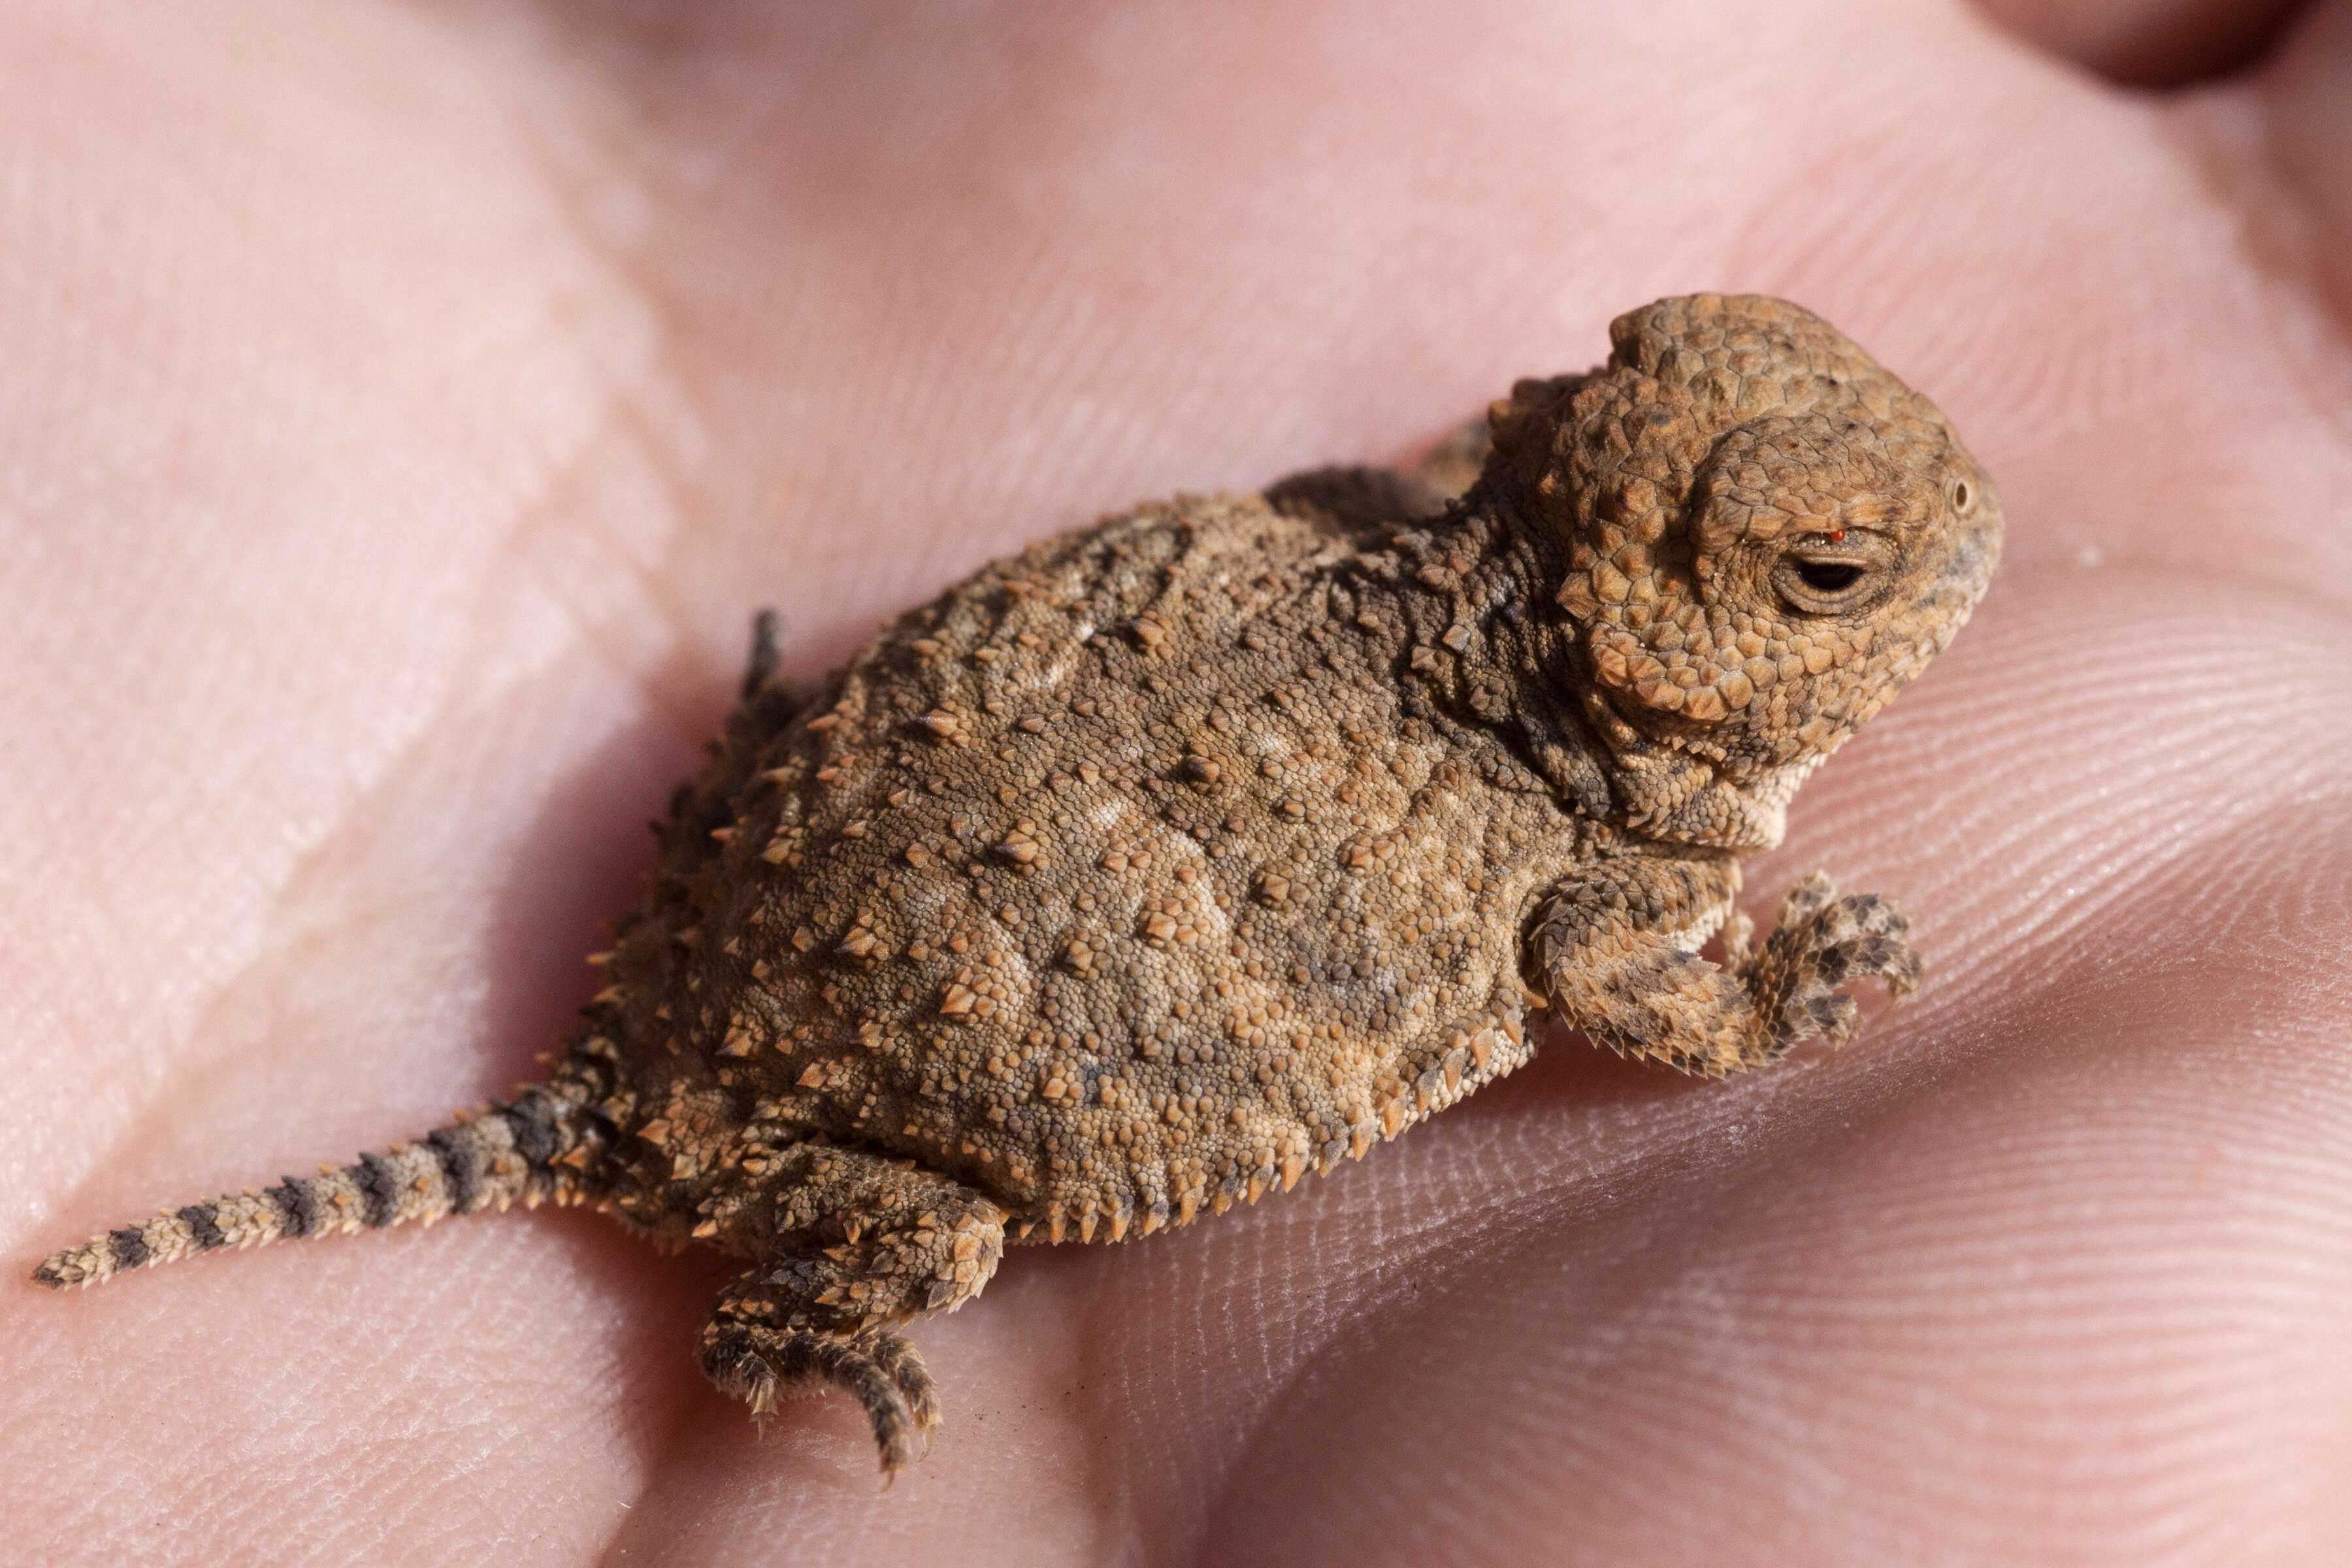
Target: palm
[(404, 409)]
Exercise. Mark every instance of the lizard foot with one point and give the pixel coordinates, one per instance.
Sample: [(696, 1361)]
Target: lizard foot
[(1822, 943)]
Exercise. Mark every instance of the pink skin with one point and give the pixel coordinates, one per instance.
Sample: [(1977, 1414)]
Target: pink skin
[(403, 409)]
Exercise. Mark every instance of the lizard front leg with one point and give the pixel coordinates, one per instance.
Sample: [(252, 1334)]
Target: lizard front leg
[(1616, 950)]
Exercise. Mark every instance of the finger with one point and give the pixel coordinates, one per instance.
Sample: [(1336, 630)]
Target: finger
[(2153, 43)]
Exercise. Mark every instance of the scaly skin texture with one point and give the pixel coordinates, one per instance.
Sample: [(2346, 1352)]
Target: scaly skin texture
[(1151, 868)]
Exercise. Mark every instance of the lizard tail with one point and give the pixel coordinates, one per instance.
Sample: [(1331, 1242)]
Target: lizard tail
[(519, 1153)]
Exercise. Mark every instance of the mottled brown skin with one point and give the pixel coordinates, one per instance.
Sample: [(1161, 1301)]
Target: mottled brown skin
[(1164, 862)]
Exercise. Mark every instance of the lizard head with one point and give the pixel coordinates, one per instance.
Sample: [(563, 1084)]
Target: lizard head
[(1767, 534)]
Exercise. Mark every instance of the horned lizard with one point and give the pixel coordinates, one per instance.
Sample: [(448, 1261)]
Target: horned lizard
[(1168, 860)]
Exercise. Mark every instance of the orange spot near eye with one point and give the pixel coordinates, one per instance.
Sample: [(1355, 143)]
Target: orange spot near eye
[(1837, 536)]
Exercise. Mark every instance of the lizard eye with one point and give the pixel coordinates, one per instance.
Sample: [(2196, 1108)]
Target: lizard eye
[(1964, 495), (1832, 574), (1829, 576)]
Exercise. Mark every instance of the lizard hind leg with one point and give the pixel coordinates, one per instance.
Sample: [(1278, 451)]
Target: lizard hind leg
[(753, 1348), (861, 1245)]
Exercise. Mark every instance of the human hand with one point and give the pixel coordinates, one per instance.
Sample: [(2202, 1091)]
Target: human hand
[(406, 408)]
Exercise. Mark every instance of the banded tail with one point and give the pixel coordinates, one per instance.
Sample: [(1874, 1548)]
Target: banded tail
[(507, 1155)]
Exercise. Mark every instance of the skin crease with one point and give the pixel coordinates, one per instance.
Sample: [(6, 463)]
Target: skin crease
[(404, 407), (2149, 43)]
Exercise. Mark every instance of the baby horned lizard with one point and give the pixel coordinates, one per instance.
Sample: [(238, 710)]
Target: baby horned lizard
[(1168, 860)]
